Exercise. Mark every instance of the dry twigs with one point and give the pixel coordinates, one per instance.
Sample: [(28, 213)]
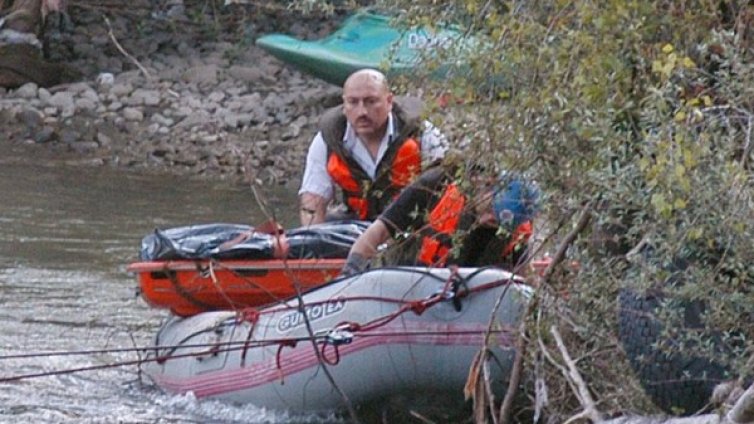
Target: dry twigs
[(123, 51), (742, 412), (571, 373)]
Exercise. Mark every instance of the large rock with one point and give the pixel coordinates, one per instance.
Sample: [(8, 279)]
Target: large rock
[(27, 91), (30, 117), (121, 89), (202, 74), (44, 95), (251, 74), (133, 114), (194, 119), (144, 97), (237, 120), (85, 104), (63, 101), (78, 88)]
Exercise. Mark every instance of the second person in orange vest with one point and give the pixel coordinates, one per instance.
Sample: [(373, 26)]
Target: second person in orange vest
[(370, 147), (486, 220)]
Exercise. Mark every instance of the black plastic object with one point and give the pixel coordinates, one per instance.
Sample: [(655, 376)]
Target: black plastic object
[(675, 382), (327, 240)]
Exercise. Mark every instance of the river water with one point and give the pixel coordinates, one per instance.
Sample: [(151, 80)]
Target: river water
[(66, 237)]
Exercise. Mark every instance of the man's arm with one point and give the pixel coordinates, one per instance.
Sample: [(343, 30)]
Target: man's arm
[(367, 243), (313, 208), (407, 211), (365, 247), (316, 185)]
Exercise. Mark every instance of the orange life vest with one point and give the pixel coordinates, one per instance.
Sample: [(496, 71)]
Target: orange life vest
[(443, 223), (368, 198), (364, 197)]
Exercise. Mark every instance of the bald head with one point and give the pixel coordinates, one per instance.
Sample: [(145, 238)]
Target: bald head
[(367, 103), (367, 77)]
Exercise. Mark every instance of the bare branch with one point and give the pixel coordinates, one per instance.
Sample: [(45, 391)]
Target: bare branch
[(743, 410), (120, 48), (515, 379), (585, 397), (580, 416), (586, 214), (747, 144), (741, 413)]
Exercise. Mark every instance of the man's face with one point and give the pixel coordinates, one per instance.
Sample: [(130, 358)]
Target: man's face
[(367, 104)]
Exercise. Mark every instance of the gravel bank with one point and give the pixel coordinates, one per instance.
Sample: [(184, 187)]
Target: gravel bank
[(196, 97)]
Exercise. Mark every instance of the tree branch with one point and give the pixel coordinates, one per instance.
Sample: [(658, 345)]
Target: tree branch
[(585, 397), (123, 51), (743, 410)]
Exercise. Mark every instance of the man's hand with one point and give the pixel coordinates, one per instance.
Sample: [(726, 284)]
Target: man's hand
[(364, 248), (312, 209), (355, 264)]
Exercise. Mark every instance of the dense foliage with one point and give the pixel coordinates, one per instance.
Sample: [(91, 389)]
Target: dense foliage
[(640, 112)]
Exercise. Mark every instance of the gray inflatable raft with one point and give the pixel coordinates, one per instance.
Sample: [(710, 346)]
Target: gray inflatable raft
[(391, 330)]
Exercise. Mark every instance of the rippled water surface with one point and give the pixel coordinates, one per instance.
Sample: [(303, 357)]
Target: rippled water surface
[(66, 237)]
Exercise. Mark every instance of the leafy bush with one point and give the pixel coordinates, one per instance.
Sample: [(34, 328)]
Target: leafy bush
[(642, 111)]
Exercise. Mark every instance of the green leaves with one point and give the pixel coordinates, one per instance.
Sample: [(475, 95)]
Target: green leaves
[(645, 108)]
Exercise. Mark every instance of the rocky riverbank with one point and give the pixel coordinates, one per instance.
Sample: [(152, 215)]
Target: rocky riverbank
[(186, 93)]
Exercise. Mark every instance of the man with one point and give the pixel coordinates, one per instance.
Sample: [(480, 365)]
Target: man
[(370, 147), (488, 223)]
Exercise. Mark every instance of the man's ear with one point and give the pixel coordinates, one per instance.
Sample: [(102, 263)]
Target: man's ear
[(390, 101)]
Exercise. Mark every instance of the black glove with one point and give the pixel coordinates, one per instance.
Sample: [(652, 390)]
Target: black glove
[(355, 264)]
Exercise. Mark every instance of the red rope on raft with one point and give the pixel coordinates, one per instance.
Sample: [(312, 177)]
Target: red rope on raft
[(252, 316), (287, 343), (323, 351)]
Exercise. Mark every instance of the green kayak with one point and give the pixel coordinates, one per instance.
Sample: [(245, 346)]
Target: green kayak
[(365, 40)]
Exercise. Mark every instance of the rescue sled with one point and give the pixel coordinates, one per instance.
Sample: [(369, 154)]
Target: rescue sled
[(213, 267), (191, 287), (384, 332)]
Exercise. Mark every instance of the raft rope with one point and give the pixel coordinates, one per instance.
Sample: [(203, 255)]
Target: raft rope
[(211, 349), (239, 344), (342, 333), (213, 265), (216, 264), (186, 294), (450, 291)]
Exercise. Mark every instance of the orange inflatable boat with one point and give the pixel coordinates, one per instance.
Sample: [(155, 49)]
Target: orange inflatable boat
[(188, 287)]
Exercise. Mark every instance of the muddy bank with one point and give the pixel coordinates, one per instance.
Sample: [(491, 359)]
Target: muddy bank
[(186, 93)]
